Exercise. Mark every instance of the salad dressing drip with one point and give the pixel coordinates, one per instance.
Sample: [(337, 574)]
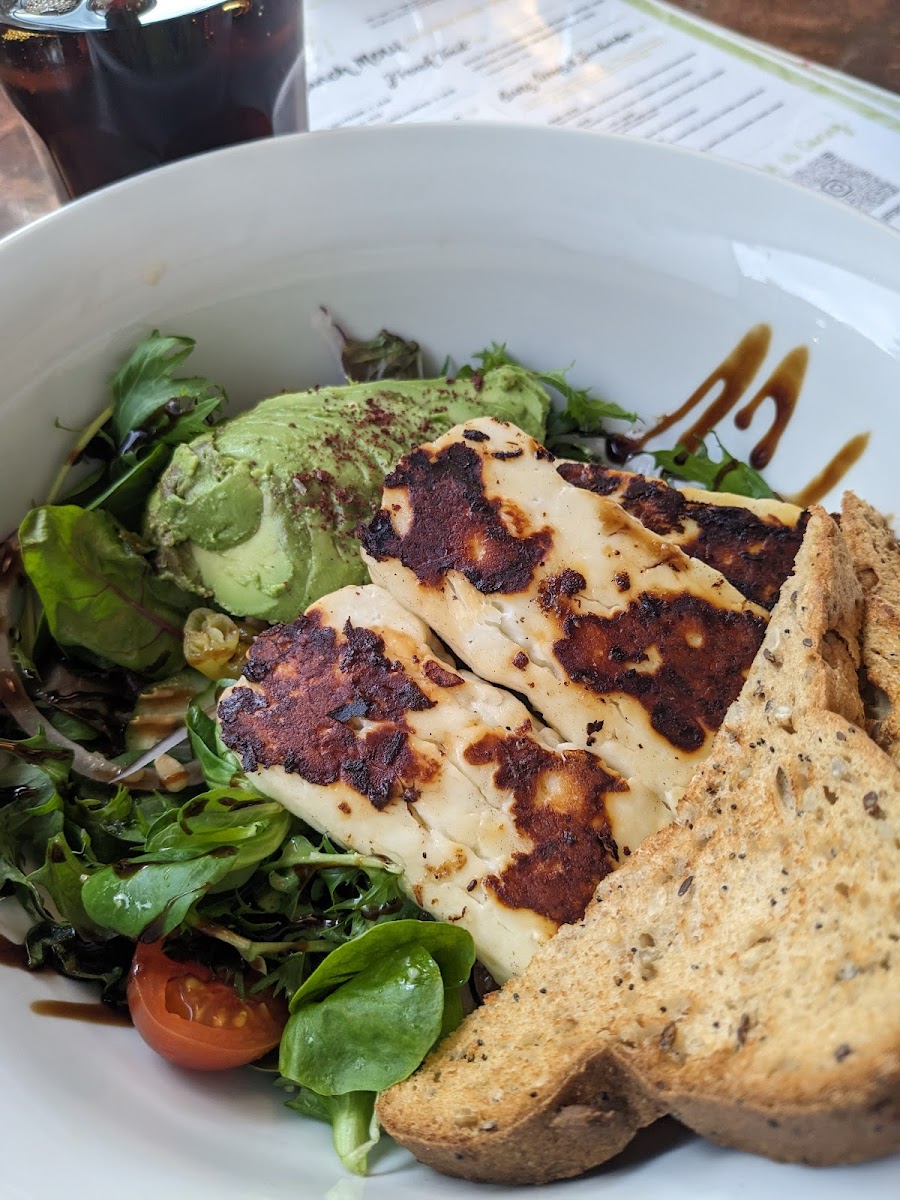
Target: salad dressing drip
[(832, 473), (93, 1012), (783, 387), (734, 374), (732, 378), (14, 954)]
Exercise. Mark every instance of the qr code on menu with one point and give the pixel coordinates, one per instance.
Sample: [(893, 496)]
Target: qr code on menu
[(845, 181)]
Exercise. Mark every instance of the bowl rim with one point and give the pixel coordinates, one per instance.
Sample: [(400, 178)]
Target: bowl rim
[(634, 152)]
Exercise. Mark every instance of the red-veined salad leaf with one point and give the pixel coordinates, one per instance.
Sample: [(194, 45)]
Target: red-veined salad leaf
[(99, 593)]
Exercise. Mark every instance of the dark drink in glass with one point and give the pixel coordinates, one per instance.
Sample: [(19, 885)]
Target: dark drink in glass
[(114, 87)]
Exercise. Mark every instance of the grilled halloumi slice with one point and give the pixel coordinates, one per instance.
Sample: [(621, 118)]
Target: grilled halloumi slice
[(353, 719), (621, 641), (753, 542)]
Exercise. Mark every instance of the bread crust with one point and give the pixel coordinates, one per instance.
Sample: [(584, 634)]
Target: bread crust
[(876, 558), (589, 1117), (738, 971)]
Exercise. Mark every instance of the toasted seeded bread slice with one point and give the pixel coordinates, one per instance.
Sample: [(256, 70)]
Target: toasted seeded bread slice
[(741, 971), (876, 557)]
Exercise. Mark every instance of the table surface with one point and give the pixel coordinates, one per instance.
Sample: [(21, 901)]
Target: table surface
[(861, 38)]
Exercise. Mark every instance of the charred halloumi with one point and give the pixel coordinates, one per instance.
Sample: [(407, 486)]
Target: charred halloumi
[(622, 642), (353, 718), (753, 542)]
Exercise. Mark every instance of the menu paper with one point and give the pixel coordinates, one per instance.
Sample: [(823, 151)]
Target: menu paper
[(634, 67)]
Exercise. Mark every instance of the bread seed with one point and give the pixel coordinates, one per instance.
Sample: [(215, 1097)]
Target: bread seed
[(667, 1037), (872, 807)]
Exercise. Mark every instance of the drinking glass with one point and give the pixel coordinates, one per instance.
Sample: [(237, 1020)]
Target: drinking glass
[(114, 87)]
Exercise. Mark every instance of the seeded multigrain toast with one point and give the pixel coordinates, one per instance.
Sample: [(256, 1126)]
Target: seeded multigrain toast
[(740, 971), (876, 557)]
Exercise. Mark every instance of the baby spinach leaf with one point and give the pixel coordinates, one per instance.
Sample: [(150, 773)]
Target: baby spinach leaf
[(369, 1014), (729, 474), (145, 383), (372, 1031), (99, 593), (450, 946), (136, 898)]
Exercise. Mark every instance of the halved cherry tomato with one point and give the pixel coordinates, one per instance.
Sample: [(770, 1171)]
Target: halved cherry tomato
[(196, 1020)]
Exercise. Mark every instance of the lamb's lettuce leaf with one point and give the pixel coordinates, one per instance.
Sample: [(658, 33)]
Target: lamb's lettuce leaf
[(366, 1018), (151, 899)]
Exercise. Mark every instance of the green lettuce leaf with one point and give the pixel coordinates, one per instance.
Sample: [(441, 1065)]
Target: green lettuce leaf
[(580, 414), (352, 1117), (144, 385), (450, 946), (370, 1032), (151, 899), (62, 877), (728, 474), (221, 767), (240, 819), (99, 593)]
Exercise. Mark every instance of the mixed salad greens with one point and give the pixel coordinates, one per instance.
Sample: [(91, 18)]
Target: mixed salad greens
[(146, 861)]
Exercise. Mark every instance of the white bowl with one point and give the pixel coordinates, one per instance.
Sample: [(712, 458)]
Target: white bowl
[(642, 265)]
